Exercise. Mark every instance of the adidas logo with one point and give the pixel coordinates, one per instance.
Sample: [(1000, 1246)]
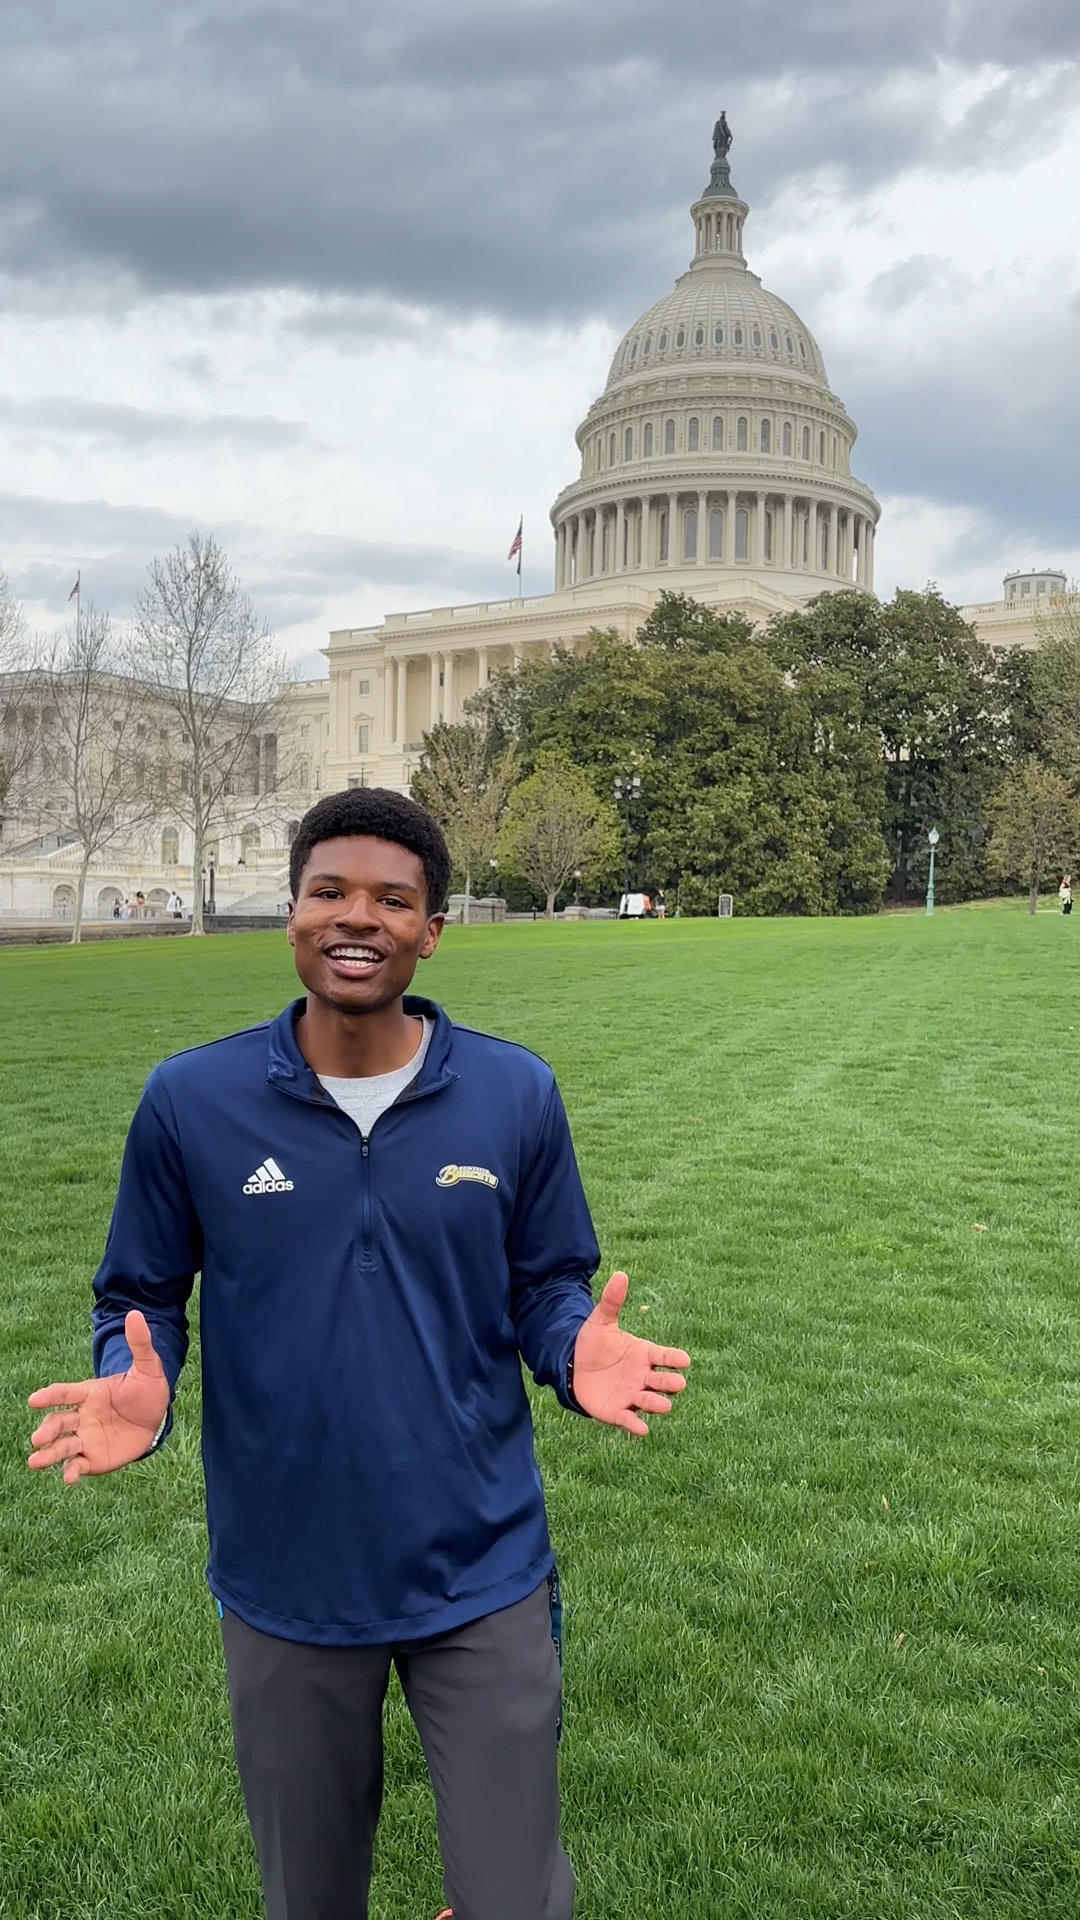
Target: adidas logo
[(268, 1179)]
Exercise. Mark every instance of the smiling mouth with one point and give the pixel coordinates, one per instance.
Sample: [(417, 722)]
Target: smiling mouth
[(354, 963)]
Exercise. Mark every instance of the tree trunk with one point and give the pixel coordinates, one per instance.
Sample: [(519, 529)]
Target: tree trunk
[(549, 910), (1033, 898), (468, 893), (80, 896), (196, 874)]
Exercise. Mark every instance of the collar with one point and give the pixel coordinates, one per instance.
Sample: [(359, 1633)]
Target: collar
[(288, 1070)]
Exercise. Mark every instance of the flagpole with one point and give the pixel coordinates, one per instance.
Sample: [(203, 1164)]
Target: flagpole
[(521, 555)]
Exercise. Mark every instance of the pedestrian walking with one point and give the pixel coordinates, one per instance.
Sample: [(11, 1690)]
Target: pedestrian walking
[(1065, 893), (372, 1493)]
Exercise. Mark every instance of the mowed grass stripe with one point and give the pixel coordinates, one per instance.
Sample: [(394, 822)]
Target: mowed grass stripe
[(821, 1653)]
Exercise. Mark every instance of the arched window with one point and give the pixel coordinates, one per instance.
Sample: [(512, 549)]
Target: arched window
[(716, 534), (789, 344), (680, 337), (766, 437), (693, 435), (250, 842), (699, 337), (663, 536), (774, 341), (756, 336), (647, 448), (669, 436), (768, 533), (170, 847), (647, 348), (742, 434), (689, 538), (742, 534), (802, 348), (661, 345), (738, 336), (718, 433), (633, 353), (611, 450), (718, 336), (787, 437), (628, 444), (806, 443)]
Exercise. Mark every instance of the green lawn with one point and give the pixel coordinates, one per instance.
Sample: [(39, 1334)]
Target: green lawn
[(822, 1627)]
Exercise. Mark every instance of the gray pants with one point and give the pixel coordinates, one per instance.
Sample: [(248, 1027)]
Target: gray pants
[(307, 1723)]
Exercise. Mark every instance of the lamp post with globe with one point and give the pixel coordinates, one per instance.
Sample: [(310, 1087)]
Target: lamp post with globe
[(933, 836), (626, 789)]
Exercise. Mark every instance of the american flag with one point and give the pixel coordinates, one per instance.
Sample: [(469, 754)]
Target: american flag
[(515, 544), (77, 587)]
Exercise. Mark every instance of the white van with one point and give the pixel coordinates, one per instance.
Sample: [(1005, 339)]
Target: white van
[(635, 906)]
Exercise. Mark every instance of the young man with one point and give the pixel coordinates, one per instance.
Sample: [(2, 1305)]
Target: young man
[(386, 1212)]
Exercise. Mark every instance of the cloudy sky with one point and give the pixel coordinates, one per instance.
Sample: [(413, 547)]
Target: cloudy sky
[(338, 280)]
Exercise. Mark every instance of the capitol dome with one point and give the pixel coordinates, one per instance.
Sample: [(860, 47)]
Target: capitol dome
[(717, 444)]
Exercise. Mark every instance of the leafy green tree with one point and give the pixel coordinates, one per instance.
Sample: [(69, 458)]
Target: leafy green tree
[(464, 780), (1035, 828), (1055, 667), (555, 823)]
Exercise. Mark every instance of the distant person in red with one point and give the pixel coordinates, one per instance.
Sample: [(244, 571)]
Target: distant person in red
[(388, 1218)]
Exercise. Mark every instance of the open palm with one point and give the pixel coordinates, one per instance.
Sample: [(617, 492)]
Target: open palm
[(618, 1377), (108, 1423)]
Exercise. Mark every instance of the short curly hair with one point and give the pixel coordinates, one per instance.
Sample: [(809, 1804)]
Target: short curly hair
[(385, 816)]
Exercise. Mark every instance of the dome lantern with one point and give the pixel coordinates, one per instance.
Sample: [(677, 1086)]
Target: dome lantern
[(719, 215)]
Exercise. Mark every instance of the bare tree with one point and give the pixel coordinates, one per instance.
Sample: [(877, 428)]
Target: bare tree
[(18, 689), (555, 824), (464, 780), (95, 784), (205, 654)]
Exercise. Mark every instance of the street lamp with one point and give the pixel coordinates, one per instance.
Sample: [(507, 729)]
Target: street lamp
[(933, 836), (577, 886), (627, 790)]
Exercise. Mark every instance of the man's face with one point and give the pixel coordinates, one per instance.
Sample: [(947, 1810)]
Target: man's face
[(360, 922)]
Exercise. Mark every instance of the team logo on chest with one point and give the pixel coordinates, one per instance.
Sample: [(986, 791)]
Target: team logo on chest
[(452, 1176)]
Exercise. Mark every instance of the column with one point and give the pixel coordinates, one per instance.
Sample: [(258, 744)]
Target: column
[(860, 549), (833, 555), (871, 532), (646, 506), (451, 704), (674, 543), (788, 535), (729, 528), (402, 668), (482, 660), (433, 708), (702, 528), (620, 529), (759, 532), (388, 701)]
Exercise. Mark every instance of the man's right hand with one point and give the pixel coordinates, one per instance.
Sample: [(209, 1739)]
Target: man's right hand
[(107, 1423)]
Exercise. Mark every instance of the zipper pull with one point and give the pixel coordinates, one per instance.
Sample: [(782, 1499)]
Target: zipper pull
[(363, 1146)]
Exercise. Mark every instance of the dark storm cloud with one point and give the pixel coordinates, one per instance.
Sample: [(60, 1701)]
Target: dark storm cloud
[(65, 416), (482, 157), (289, 577)]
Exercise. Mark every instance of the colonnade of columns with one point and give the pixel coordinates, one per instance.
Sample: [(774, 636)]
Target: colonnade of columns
[(446, 681), (731, 527)]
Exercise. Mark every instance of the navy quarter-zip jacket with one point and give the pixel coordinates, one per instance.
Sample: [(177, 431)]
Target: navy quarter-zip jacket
[(365, 1306)]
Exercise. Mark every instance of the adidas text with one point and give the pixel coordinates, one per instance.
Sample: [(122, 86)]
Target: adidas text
[(268, 1179)]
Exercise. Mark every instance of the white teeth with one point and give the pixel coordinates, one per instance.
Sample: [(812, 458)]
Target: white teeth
[(363, 954)]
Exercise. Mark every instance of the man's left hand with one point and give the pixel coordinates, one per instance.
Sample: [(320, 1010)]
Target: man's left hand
[(618, 1377)]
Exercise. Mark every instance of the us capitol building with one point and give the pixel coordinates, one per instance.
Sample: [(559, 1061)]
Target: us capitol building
[(716, 462)]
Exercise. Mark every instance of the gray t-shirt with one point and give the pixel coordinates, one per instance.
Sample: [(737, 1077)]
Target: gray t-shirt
[(363, 1099)]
